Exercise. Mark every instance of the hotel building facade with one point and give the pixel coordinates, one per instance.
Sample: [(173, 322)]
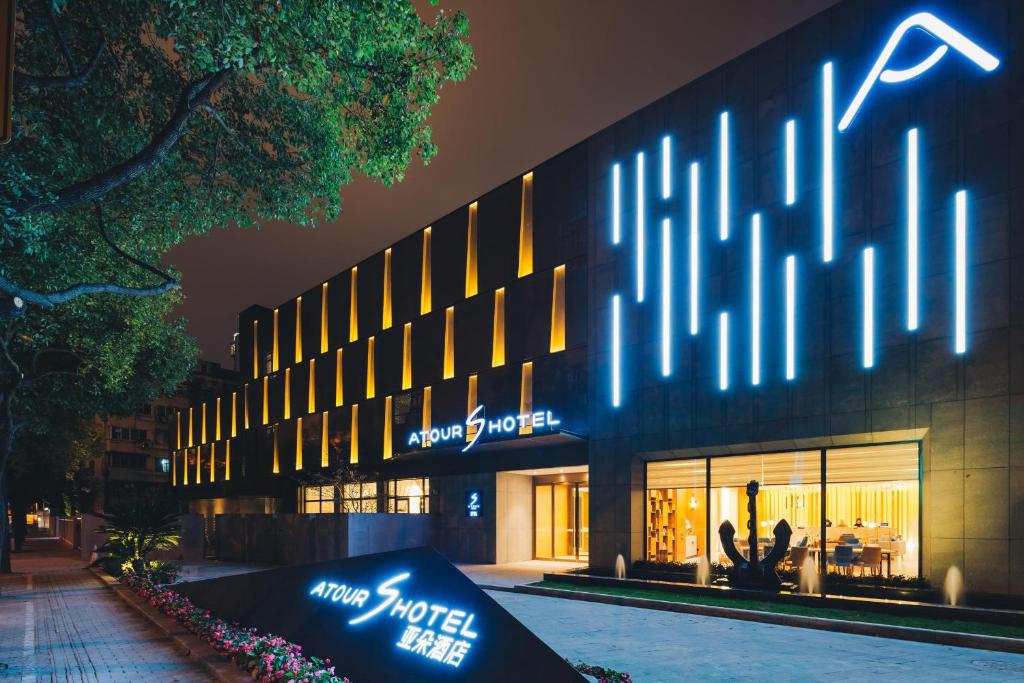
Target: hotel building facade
[(804, 268)]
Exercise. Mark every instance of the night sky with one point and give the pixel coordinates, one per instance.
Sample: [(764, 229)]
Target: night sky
[(549, 74)]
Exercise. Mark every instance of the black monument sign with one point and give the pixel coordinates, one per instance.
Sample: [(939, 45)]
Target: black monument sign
[(407, 615)]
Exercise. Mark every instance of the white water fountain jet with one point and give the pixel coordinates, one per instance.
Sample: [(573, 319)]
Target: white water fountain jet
[(620, 567), (703, 571), (953, 586), (810, 582)]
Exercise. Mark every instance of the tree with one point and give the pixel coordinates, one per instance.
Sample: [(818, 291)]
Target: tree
[(139, 123)]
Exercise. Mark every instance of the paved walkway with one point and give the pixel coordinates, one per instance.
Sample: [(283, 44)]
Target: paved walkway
[(515, 573), (658, 646), (59, 623)]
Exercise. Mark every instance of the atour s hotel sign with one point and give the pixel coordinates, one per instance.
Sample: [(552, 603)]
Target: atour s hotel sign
[(407, 615), (478, 426)]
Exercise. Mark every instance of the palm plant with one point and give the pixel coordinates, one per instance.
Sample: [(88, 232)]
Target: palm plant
[(135, 530)]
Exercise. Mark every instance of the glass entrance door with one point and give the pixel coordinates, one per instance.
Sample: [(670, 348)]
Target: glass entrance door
[(562, 521)]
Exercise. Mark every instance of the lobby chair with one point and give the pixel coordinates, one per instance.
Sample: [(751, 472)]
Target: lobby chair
[(870, 559), (797, 556), (842, 558)]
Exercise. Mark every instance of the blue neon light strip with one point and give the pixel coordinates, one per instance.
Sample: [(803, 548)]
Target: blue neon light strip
[(640, 227), (694, 247), (790, 162), (616, 351), (913, 218), (961, 271), (616, 203), (723, 351), (666, 297), (827, 163), (666, 167), (755, 299), (869, 307), (790, 317), (723, 176)]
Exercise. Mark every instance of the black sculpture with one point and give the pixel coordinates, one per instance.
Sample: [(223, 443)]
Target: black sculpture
[(754, 572)]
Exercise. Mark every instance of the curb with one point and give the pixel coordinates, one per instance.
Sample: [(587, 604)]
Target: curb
[(860, 628), (196, 649)]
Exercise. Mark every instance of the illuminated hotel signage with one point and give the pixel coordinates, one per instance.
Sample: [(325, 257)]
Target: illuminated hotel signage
[(473, 504), (807, 188), (478, 425)]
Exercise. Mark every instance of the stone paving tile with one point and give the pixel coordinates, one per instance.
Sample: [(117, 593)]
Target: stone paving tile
[(668, 647)]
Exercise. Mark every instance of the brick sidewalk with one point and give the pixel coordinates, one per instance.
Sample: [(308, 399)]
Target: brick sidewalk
[(58, 622)]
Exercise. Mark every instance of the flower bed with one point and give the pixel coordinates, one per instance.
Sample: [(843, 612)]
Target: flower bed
[(267, 657)]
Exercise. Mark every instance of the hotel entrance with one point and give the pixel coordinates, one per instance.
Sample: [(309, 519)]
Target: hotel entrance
[(561, 514)]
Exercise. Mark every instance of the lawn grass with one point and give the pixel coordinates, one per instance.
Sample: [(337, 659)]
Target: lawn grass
[(930, 623)]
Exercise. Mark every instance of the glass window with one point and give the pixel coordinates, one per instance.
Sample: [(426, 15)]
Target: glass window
[(676, 510), (359, 497), (317, 499), (409, 496)]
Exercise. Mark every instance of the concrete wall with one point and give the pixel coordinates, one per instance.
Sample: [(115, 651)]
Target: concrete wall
[(461, 538), (190, 549)]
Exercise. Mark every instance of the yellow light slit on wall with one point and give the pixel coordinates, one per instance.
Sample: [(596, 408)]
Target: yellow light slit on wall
[(255, 349), (526, 227), (371, 385), (386, 315), (234, 413), (426, 414), (298, 330), (202, 422), (179, 429), (353, 305), (323, 318), (298, 443), (426, 298), (311, 394), (287, 393), (245, 405), (407, 356), (498, 339), (449, 342), (324, 444), (277, 455), (353, 456), (558, 310), (387, 428), (184, 467), (213, 462), (199, 464), (339, 387), (190, 440), (526, 396), (266, 401), (216, 427), (471, 406), (174, 469), (274, 360), (227, 461), (471, 262)]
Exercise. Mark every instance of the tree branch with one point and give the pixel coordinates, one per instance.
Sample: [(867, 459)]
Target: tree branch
[(233, 134), (71, 81)]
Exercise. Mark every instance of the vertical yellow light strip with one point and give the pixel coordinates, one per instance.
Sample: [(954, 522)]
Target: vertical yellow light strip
[(202, 424), (426, 415), (287, 393), (298, 330), (387, 428), (324, 444), (174, 469), (216, 422), (353, 305), (298, 444), (199, 464), (471, 405), (179, 429), (407, 356), (227, 461), (426, 298), (255, 349), (558, 310), (311, 398), (371, 385), (191, 441), (498, 340), (449, 342), (323, 318), (526, 227), (213, 462), (184, 466), (386, 315), (234, 413), (274, 359), (471, 262), (339, 388), (526, 396), (277, 455), (245, 405), (266, 401), (353, 456)]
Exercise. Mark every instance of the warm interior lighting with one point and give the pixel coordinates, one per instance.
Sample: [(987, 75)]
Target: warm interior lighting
[(311, 394), (371, 384), (526, 227), (426, 297), (323, 319), (498, 339), (558, 310), (471, 262), (353, 456), (426, 414), (407, 356), (287, 393), (227, 461), (274, 360), (471, 404), (353, 305), (526, 396), (234, 413), (298, 330), (266, 400), (324, 443), (202, 417), (386, 315), (277, 455), (449, 342), (255, 349), (339, 387), (298, 443), (388, 423), (216, 422)]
